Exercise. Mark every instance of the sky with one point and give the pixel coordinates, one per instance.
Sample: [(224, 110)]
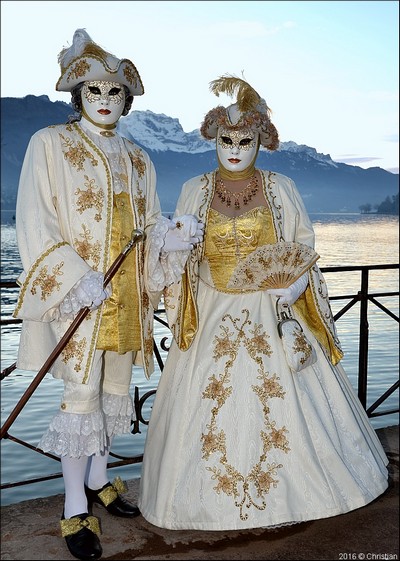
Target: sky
[(328, 70)]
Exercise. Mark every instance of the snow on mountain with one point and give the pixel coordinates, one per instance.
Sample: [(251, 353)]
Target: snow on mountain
[(325, 186), (305, 150), (160, 133)]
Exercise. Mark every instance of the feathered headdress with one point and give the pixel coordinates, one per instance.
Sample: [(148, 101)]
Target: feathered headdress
[(246, 97), (249, 111), (86, 61)]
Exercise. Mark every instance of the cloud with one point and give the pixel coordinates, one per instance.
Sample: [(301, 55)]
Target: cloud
[(354, 159)]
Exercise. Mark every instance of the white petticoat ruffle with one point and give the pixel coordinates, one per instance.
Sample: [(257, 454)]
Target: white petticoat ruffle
[(164, 268), (75, 435)]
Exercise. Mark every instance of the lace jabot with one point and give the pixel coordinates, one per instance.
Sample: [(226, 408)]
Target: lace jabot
[(114, 149)]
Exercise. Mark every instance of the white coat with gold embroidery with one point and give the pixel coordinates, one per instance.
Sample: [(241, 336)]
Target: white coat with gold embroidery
[(63, 219)]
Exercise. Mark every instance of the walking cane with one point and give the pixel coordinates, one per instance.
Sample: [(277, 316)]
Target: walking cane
[(137, 236)]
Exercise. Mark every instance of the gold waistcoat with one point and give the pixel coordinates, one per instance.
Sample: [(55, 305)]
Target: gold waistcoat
[(120, 327)]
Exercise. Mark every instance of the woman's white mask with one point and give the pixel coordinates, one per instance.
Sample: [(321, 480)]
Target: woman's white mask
[(103, 102), (236, 149)]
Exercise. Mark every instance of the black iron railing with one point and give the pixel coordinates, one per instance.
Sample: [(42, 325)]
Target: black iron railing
[(363, 296)]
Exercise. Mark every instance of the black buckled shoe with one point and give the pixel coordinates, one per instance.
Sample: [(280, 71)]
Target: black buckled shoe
[(109, 496), (81, 535)]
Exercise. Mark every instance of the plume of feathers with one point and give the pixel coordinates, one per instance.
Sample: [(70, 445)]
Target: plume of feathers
[(246, 96), (81, 43)]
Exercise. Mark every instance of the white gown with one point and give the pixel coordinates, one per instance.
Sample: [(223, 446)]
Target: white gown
[(235, 439)]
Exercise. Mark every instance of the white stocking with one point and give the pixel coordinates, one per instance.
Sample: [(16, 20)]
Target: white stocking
[(97, 469), (74, 470)]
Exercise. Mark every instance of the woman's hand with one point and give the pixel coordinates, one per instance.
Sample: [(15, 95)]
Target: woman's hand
[(292, 293)]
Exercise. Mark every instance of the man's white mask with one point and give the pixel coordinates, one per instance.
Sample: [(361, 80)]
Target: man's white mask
[(103, 102)]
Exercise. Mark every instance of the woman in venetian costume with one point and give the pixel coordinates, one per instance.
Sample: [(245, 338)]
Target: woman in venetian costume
[(236, 439)]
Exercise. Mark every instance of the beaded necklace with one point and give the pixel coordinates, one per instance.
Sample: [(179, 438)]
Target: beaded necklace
[(246, 194)]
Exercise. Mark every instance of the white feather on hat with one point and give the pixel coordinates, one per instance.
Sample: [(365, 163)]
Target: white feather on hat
[(80, 40), (86, 61)]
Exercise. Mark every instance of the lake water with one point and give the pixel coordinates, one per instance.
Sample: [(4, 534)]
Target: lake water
[(341, 240)]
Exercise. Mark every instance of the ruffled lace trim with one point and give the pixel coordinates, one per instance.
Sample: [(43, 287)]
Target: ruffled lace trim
[(120, 422), (88, 291), (75, 435), (163, 268)]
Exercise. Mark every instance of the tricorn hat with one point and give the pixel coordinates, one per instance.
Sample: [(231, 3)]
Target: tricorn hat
[(250, 111), (85, 61)]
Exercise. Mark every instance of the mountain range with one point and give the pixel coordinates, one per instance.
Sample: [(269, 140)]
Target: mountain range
[(325, 185)]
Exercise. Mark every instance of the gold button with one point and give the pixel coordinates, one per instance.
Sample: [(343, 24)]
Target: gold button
[(122, 272), (63, 406), (121, 307)]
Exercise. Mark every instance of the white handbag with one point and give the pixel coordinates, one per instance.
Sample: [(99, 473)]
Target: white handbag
[(298, 350)]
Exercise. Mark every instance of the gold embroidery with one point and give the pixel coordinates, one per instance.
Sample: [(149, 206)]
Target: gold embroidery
[(168, 295), (301, 345), (77, 153), (140, 203), (148, 342), (106, 248), (89, 199), (30, 275), (78, 70), (86, 249), (47, 283), (275, 208), (247, 490), (74, 349), (129, 75), (145, 301), (92, 346), (138, 162)]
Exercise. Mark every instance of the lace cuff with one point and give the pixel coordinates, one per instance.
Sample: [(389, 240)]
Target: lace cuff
[(163, 268), (87, 292)]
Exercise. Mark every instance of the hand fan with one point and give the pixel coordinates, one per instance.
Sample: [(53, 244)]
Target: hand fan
[(273, 266)]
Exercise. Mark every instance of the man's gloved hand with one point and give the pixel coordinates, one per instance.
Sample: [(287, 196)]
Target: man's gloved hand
[(184, 232), (292, 293), (87, 292), (90, 290)]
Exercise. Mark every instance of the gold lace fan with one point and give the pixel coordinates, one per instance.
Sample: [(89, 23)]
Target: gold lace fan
[(273, 266)]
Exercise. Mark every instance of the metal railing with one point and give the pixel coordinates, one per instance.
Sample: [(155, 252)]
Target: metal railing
[(363, 296)]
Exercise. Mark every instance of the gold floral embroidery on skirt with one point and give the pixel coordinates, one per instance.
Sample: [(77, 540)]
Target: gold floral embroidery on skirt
[(248, 490)]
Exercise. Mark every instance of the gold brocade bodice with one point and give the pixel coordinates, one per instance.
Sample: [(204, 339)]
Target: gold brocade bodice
[(120, 326), (228, 240)]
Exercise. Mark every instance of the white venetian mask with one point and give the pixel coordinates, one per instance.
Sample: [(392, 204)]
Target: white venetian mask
[(103, 102), (236, 149)]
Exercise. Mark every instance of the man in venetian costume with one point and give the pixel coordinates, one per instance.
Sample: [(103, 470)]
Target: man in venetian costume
[(236, 439), (83, 191)]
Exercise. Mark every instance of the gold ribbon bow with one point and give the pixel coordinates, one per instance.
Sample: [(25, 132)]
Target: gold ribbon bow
[(72, 525), (110, 493)]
